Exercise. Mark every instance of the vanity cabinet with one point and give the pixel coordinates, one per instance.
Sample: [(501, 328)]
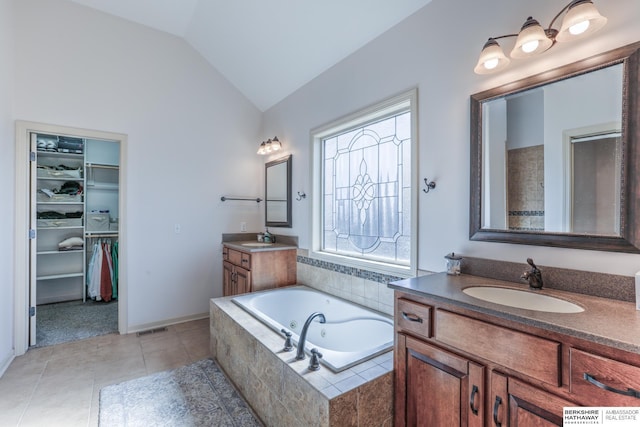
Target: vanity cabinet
[(256, 270), (458, 367)]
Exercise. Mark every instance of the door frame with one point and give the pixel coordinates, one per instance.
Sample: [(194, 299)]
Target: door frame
[(22, 210)]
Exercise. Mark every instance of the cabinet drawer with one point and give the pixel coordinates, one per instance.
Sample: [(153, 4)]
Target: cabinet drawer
[(242, 259), (535, 357), (598, 381), (414, 317)]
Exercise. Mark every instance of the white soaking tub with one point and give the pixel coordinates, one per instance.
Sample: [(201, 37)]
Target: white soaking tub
[(351, 334)]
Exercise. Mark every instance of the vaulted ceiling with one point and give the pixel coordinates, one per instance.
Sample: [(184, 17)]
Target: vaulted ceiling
[(267, 49)]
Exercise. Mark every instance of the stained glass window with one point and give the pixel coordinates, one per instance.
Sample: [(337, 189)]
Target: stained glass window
[(367, 195)]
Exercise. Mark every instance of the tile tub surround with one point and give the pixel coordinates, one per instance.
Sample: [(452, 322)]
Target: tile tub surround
[(366, 288), (282, 391)]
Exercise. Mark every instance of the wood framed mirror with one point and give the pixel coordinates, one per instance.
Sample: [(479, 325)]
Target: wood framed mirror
[(278, 193), (555, 158)]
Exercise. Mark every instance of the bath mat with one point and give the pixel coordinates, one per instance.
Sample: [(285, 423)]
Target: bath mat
[(191, 396)]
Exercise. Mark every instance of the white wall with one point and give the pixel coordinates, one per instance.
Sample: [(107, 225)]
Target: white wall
[(192, 138), (436, 49), (7, 177)]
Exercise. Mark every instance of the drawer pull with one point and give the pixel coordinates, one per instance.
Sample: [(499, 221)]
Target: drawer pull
[(411, 317), (472, 399), (628, 392), (244, 261), (496, 406)]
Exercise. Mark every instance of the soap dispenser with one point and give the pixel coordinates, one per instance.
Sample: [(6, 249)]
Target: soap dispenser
[(268, 237)]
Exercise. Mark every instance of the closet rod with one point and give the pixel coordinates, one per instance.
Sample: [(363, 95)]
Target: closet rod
[(94, 165), (102, 235), (225, 198)]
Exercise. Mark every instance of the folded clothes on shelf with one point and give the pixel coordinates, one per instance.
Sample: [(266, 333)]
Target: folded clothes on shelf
[(70, 244)]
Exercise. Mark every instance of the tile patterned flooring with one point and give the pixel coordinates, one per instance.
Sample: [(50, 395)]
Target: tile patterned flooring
[(60, 385)]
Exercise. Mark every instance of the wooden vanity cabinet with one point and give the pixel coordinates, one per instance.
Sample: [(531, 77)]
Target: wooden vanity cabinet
[(251, 271), (455, 370), (459, 367)]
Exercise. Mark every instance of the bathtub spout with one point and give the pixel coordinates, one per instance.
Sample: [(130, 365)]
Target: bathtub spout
[(303, 335)]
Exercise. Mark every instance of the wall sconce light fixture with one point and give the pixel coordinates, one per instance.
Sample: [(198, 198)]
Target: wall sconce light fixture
[(269, 146), (581, 19)]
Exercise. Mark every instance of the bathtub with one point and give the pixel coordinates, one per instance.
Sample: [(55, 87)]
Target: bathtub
[(351, 334)]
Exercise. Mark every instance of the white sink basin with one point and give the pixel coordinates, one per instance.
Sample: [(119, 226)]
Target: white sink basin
[(257, 244), (522, 299)]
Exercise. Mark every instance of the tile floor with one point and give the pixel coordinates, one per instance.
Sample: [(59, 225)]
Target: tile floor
[(60, 385)]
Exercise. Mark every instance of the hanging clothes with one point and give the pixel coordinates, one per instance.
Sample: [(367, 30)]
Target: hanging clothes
[(114, 277), (95, 271), (102, 272), (105, 274)]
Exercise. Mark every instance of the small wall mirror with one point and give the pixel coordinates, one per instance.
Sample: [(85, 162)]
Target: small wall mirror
[(278, 193), (554, 157)]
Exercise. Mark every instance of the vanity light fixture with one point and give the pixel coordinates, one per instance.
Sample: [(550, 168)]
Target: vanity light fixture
[(269, 146), (581, 19)]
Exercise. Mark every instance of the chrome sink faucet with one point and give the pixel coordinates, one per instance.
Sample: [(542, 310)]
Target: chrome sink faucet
[(303, 335), (533, 276)]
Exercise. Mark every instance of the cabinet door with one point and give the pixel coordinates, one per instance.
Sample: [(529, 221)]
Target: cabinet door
[(523, 405), (529, 406), (442, 389), (227, 279), (243, 280)]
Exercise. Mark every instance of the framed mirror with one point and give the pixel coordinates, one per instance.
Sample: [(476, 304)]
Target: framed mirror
[(555, 157), (278, 193)]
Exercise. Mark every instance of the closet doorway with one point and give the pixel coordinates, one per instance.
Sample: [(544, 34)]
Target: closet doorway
[(71, 284)]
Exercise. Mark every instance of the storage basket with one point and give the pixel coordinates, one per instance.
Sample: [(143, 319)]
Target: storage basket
[(59, 173), (60, 222), (58, 198), (97, 222)]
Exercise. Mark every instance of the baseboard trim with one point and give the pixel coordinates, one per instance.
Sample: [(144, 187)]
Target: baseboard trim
[(167, 322), (6, 361)]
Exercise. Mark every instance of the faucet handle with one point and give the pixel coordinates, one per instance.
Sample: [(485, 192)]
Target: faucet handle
[(288, 345), (314, 363)]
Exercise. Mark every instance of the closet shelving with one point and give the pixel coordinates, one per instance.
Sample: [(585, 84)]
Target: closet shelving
[(61, 275)]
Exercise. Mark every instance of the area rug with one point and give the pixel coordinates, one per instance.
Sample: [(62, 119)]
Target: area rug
[(74, 320), (194, 395)]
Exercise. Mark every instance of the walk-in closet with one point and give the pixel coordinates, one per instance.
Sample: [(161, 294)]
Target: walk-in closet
[(75, 198)]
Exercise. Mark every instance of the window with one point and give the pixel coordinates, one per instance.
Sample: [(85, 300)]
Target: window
[(364, 199)]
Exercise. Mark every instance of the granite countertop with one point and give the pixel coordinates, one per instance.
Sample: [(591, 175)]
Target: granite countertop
[(253, 246), (605, 321)]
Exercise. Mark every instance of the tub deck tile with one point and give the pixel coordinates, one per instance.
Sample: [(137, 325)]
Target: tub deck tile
[(283, 391)]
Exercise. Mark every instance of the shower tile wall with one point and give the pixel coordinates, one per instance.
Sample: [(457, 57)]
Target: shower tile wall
[(525, 183)]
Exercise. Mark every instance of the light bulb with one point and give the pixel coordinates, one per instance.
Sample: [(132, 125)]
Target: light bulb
[(490, 64), (579, 28), (530, 46)]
